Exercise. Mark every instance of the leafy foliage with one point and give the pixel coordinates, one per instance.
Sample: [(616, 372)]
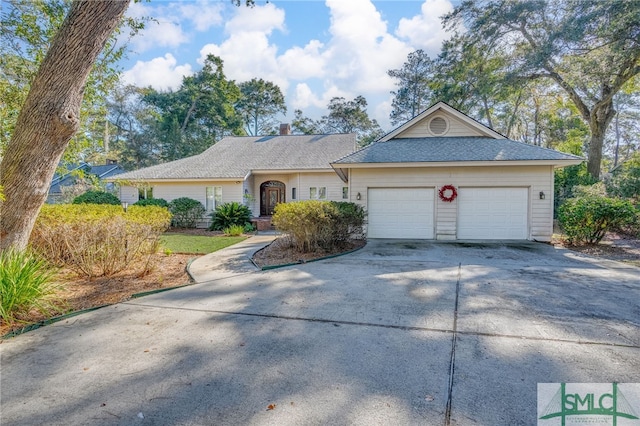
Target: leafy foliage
[(587, 218), (230, 214), (27, 30), (96, 240), (233, 230), (344, 117), (159, 202), (258, 105), (26, 282), (324, 224), (414, 92), (566, 179), (186, 212), (96, 197), (588, 49), (625, 180), (199, 113)]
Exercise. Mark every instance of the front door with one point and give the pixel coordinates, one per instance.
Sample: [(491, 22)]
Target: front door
[(271, 194)]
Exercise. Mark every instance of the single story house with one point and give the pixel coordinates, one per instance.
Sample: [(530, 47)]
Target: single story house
[(441, 175)]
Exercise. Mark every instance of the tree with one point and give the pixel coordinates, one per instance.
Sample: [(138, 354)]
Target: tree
[(27, 31), (413, 93), (343, 117), (132, 124), (50, 115), (588, 48), (258, 105), (198, 114)]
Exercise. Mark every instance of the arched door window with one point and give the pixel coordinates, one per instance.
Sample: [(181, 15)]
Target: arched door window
[(272, 193)]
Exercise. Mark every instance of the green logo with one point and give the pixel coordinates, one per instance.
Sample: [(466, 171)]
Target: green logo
[(584, 399)]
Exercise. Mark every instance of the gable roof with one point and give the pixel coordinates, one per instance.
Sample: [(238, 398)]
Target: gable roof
[(476, 126), (456, 149), (236, 157)]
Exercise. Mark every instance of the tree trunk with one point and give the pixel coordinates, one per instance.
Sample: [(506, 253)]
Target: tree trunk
[(50, 115), (599, 121)]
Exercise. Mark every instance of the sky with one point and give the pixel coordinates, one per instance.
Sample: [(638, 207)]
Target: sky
[(313, 50)]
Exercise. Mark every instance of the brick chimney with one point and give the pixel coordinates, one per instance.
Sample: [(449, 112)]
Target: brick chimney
[(285, 129)]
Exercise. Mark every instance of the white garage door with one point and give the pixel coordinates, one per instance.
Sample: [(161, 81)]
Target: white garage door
[(400, 213), (493, 213)]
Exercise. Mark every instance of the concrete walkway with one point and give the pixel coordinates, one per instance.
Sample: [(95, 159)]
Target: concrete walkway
[(230, 261), (397, 333)]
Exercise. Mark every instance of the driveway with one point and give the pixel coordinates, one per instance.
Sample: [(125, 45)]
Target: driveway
[(398, 333)]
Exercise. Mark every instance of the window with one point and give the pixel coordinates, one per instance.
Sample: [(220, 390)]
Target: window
[(345, 192), (145, 193), (318, 193), (293, 194), (214, 197), (322, 193)]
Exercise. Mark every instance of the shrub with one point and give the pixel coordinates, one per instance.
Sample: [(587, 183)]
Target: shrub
[(230, 214), (26, 282), (324, 224), (186, 212), (625, 180), (159, 202), (98, 240), (233, 230), (96, 197), (586, 219)]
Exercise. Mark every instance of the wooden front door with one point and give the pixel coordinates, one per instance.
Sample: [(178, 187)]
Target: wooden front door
[(271, 194)]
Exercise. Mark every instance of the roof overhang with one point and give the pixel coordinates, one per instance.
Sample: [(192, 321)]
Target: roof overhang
[(289, 171), (343, 173), (492, 163), (172, 180)]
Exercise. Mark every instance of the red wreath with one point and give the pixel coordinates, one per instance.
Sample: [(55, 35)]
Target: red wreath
[(450, 198)]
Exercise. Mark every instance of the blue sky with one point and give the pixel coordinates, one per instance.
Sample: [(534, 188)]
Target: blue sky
[(314, 50)]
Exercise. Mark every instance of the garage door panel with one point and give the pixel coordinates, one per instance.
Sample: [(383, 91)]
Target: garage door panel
[(493, 213), (400, 213)]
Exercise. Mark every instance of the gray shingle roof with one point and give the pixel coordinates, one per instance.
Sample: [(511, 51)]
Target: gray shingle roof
[(448, 149), (235, 157)]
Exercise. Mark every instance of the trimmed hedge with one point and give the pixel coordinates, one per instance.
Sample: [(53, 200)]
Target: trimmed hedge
[(319, 224), (186, 212), (98, 240), (159, 202), (96, 197)]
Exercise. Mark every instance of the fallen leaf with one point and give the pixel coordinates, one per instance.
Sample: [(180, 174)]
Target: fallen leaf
[(86, 368), (271, 407), (146, 350)]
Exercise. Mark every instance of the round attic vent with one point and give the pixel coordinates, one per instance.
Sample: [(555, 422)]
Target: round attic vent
[(438, 126)]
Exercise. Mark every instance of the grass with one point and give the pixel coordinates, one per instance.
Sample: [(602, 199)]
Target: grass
[(196, 244), (26, 282)]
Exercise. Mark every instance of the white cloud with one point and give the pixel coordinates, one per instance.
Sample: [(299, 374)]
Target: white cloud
[(162, 31), (425, 31), (203, 14), (160, 73), (247, 52)]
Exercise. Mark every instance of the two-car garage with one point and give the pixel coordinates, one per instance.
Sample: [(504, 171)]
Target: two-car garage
[(481, 213)]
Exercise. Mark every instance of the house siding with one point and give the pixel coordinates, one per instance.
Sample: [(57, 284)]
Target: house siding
[(456, 128), (535, 178)]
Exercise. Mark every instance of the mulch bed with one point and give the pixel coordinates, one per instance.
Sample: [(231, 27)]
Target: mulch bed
[(281, 252)]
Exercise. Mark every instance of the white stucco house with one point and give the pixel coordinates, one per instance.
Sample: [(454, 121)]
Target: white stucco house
[(442, 175)]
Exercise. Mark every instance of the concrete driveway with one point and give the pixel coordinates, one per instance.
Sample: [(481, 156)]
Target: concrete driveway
[(398, 333)]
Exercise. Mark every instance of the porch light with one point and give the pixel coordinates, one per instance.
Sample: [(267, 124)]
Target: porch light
[(358, 197), (124, 206), (541, 195)]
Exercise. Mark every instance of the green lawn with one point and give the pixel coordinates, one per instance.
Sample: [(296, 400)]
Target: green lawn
[(196, 244)]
